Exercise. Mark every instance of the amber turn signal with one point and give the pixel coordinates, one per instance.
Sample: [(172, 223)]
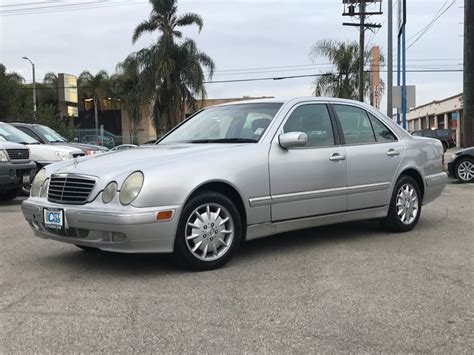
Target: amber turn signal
[(164, 215)]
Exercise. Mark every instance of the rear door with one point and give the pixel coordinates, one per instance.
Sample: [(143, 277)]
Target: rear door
[(373, 155)]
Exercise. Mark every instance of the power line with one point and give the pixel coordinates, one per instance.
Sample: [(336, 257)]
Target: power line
[(271, 78), (67, 7), (431, 24)]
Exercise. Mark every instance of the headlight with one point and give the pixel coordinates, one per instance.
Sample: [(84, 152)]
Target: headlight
[(109, 192), (61, 156), (131, 188), (3, 156), (37, 183), (44, 188)]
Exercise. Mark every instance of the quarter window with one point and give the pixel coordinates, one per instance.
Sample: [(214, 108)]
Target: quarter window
[(382, 133), (314, 120), (355, 124)]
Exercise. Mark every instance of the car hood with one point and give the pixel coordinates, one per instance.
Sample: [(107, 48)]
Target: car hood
[(112, 164), (53, 148), (11, 145)]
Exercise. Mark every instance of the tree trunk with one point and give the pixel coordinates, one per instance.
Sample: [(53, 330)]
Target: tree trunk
[(468, 119)]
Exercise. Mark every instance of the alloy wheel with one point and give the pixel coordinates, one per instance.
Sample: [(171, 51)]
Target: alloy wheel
[(407, 204), (466, 170), (209, 232)]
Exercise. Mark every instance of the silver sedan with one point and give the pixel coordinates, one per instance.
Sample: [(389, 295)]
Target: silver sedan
[(237, 172)]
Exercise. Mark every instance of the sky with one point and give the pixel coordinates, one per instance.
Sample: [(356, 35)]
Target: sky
[(240, 35)]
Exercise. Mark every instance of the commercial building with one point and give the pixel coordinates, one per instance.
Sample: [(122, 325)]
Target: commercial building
[(446, 113)]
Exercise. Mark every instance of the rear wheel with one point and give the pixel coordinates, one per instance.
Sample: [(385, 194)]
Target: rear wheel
[(209, 231), (465, 170), (405, 206)]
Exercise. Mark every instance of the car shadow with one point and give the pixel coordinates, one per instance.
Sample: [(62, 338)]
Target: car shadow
[(119, 264)]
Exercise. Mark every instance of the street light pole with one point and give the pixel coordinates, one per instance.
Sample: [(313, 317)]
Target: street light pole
[(34, 86), (390, 60)]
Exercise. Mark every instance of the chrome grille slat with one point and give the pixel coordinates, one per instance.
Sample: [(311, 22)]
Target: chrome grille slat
[(72, 189)]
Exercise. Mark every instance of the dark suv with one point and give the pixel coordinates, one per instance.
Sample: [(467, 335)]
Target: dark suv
[(446, 136)]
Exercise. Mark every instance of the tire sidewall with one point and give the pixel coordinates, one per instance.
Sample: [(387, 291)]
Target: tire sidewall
[(181, 250), (394, 222), (458, 163)]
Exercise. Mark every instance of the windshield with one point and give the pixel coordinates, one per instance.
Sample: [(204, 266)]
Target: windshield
[(12, 134), (239, 123), (50, 135)]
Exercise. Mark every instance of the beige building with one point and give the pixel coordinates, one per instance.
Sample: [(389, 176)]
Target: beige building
[(446, 113), (146, 130)]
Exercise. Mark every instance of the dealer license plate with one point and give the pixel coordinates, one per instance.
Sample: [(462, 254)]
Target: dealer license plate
[(53, 218)]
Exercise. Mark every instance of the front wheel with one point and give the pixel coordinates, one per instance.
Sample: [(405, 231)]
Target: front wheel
[(405, 206), (465, 170), (209, 231)]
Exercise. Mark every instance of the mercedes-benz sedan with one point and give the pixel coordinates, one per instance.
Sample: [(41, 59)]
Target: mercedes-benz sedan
[(238, 172)]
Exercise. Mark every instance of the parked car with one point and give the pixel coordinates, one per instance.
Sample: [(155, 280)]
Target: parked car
[(46, 135), (238, 172), (446, 136), (461, 165), (105, 141), (16, 169), (41, 154)]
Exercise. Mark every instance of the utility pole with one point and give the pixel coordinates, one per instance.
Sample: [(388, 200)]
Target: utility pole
[(390, 59), (468, 105), (34, 86), (361, 50), (349, 10)]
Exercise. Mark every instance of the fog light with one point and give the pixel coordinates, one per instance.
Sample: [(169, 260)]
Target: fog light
[(118, 237)]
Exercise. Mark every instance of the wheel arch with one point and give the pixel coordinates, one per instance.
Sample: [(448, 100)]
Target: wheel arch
[(416, 175), (227, 189)]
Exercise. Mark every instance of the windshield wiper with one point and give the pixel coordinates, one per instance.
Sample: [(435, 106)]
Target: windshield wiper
[(225, 140)]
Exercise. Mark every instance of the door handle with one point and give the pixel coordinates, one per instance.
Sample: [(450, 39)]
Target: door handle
[(337, 157), (393, 153)]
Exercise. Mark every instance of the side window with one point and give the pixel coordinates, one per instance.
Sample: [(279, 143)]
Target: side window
[(355, 124), (382, 133), (30, 133), (314, 120)]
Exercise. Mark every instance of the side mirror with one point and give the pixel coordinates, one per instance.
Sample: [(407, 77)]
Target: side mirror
[(292, 139)]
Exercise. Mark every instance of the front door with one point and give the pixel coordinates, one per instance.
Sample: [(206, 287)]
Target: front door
[(309, 180)]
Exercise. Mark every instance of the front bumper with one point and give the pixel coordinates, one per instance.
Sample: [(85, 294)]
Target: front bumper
[(121, 229), (11, 174)]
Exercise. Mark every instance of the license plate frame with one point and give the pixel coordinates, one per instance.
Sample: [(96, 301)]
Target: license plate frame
[(53, 218)]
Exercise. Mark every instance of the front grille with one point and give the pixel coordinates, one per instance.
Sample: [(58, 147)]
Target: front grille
[(70, 188), (18, 154)]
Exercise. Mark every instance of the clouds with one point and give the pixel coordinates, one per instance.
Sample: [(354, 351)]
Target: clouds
[(237, 34)]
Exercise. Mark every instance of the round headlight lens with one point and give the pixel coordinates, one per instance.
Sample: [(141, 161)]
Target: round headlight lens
[(44, 188), (131, 188), (37, 183), (109, 192)]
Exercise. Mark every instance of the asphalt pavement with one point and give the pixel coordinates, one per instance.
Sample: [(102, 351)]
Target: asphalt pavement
[(345, 288)]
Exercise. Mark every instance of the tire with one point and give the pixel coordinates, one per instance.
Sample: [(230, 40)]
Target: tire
[(8, 195), (86, 248), (464, 170), (403, 201), (209, 232)]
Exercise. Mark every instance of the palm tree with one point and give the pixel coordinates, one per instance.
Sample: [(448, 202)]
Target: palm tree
[(344, 81), (128, 81), (94, 87), (172, 72), (11, 93)]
